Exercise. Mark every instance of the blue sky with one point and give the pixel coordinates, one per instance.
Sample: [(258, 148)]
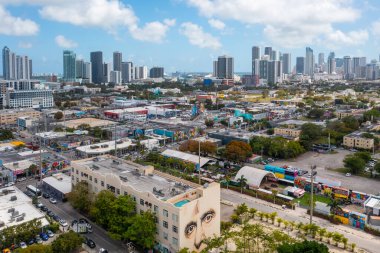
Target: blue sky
[(186, 35)]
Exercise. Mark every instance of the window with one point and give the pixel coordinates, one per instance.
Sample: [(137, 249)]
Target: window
[(165, 213), (81, 174), (125, 193), (77, 172), (95, 180), (72, 169), (102, 183), (141, 202), (175, 241), (72, 177), (175, 217), (165, 235), (118, 191), (165, 224), (155, 209), (90, 178), (175, 229)]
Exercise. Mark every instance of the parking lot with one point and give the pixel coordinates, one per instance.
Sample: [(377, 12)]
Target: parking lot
[(326, 162)]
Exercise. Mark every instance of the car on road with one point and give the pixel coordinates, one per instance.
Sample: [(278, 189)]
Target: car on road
[(56, 218), (39, 205), (9, 184), (44, 237), (44, 209), (50, 233), (53, 200), (50, 213), (46, 195), (90, 243), (348, 174), (63, 223), (83, 220), (23, 245)]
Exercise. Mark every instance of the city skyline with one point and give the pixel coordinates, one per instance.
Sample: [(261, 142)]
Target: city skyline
[(185, 35)]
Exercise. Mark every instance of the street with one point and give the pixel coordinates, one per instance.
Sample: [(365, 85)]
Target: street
[(363, 240), (66, 212)]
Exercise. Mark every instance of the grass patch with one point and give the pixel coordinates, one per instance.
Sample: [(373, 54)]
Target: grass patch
[(305, 200), (340, 170)]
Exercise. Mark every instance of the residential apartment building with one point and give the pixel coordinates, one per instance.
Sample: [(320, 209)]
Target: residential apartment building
[(356, 140), (186, 213), (288, 132), (9, 116)]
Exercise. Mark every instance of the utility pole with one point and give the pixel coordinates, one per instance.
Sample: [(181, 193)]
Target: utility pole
[(115, 132), (40, 161), (329, 142), (312, 193), (199, 161)]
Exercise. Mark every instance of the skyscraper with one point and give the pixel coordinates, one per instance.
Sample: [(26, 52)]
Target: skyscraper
[(225, 67), (107, 68), (268, 51), (300, 65), (156, 72), (87, 71), (137, 72), (97, 67), (79, 66), (331, 64), (255, 60), (273, 72), (69, 65), (263, 69), (287, 63), (143, 70), (321, 59), (309, 62), (347, 67), (117, 59), (126, 72), (215, 68), (7, 63), (273, 55)]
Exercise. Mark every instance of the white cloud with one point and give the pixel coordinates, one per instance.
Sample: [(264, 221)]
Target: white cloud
[(350, 38), (198, 37), (23, 44), (287, 23), (109, 15), (16, 26), (64, 42), (153, 31), (217, 24), (375, 29)]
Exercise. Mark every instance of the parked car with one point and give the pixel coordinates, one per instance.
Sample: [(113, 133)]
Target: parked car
[(38, 240), (44, 236), (63, 223), (56, 218), (50, 233), (44, 209), (23, 245), (50, 213), (32, 241), (103, 250), (53, 200), (348, 174), (90, 243), (46, 195)]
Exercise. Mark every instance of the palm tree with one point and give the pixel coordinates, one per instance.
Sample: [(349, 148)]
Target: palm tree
[(337, 238), (286, 224), (321, 233), (353, 246), (228, 179), (279, 221), (243, 182), (274, 193), (272, 216), (329, 235), (261, 215), (292, 225), (252, 212), (344, 241)]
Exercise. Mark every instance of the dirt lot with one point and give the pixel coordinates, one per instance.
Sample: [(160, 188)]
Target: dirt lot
[(332, 161)]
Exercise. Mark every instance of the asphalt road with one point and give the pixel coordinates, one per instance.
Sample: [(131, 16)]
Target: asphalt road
[(66, 212), (363, 240)]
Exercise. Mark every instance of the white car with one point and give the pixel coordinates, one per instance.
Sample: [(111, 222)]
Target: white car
[(63, 223), (23, 245), (348, 174), (53, 200)]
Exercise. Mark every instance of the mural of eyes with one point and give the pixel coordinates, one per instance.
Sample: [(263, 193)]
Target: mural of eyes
[(208, 216), (190, 228)]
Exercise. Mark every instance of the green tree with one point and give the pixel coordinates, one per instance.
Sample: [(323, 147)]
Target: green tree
[(80, 197), (238, 151), (67, 242), (209, 123), (143, 230), (365, 156), (121, 214), (6, 134), (309, 134), (316, 113), (100, 210), (302, 247), (351, 122), (242, 182), (58, 115), (371, 115), (354, 164)]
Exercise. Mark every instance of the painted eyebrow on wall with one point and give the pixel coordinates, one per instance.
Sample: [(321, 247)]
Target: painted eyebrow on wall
[(207, 213)]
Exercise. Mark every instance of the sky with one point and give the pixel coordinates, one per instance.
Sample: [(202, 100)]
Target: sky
[(186, 35)]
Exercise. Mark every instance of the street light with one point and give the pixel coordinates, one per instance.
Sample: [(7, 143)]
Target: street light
[(312, 193)]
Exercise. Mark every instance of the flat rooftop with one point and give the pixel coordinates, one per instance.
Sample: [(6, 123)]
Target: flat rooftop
[(23, 211), (59, 181), (105, 147), (93, 122), (141, 178)]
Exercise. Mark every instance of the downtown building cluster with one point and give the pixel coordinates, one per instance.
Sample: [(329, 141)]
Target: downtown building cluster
[(17, 89), (97, 71)]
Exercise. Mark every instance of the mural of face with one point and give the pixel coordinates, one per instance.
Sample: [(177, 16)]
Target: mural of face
[(198, 229)]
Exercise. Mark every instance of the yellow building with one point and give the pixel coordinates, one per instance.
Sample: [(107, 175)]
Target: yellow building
[(187, 213), (289, 131), (9, 117), (355, 140)]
